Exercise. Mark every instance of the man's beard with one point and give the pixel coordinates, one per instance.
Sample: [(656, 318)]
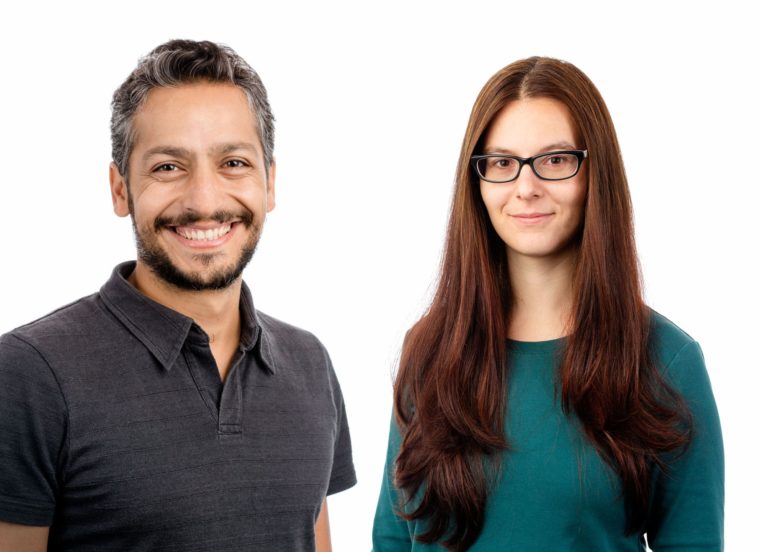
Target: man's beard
[(150, 252)]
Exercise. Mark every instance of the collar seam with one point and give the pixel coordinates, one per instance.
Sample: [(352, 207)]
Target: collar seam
[(166, 356)]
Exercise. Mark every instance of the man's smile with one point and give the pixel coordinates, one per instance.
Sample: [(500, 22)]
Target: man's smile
[(204, 235)]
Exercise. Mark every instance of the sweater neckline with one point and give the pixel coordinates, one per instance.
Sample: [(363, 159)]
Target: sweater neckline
[(550, 346)]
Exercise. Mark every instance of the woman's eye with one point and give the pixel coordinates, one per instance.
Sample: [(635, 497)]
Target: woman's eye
[(503, 162)]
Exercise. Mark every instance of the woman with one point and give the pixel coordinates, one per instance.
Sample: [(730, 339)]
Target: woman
[(539, 404)]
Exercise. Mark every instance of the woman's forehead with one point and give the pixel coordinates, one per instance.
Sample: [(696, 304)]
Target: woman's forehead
[(527, 126)]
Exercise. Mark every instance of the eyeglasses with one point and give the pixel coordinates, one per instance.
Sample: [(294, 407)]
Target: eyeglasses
[(554, 165)]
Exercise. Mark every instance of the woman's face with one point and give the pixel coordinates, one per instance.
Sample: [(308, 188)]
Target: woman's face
[(534, 217)]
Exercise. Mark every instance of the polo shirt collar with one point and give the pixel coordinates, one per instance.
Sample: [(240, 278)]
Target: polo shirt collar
[(164, 331), (254, 334)]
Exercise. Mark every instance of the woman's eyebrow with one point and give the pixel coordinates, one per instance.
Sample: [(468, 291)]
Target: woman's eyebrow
[(550, 147)]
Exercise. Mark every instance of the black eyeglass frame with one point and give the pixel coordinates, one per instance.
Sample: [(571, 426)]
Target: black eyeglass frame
[(579, 154)]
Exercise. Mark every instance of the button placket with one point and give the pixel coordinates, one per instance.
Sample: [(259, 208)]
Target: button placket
[(230, 406)]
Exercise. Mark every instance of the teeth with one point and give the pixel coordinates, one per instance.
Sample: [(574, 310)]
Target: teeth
[(207, 235)]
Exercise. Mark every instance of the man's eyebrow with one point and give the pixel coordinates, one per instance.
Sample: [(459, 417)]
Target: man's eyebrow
[(184, 153), (171, 151), (550, 147), (222, 149)]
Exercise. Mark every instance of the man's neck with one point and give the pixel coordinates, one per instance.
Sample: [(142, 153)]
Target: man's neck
[(542, 291), (217, 312)]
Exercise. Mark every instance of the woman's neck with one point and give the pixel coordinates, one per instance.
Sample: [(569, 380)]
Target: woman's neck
[(542, 292)]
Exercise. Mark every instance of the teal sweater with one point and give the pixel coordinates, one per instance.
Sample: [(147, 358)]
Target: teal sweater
[(555, 493)]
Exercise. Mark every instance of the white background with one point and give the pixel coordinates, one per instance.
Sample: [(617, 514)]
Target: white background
[(371, 103)]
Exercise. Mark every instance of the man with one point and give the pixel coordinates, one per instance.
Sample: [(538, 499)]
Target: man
[(164, 412)]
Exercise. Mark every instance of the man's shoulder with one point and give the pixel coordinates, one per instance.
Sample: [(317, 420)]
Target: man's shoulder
[(291, 346), (70, 325), (280, 330)]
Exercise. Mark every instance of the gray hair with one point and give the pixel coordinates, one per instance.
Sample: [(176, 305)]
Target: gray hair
[(180, 62)]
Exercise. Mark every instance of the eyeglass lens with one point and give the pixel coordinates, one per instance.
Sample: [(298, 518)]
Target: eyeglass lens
[(553, 166)]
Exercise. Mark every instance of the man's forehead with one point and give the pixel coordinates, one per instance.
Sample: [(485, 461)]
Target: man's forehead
[(204, 88), (212, 117), (179, 102)]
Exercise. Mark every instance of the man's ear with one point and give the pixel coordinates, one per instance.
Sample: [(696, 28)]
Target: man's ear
[(271, 177), (119, 192)]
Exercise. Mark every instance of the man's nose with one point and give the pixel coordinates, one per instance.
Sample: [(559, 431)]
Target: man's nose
[(203, 190)]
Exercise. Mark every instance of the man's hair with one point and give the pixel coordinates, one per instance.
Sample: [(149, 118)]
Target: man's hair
[(180, 62)]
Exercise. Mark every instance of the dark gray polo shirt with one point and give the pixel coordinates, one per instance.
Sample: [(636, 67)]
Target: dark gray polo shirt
[(116, 430)]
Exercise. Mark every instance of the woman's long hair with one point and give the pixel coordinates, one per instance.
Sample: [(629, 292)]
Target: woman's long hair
[(450, 392)]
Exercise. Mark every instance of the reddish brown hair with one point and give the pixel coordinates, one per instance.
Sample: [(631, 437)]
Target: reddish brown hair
[(450, 393)]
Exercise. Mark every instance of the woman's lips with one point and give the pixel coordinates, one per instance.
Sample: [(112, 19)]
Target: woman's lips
[(531, 218)]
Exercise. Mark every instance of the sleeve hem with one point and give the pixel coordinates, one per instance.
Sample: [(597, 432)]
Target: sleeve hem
[(23, 513), (340, 484)]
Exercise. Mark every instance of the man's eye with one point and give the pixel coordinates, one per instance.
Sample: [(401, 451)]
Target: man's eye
[(235, 163), (166, 167)]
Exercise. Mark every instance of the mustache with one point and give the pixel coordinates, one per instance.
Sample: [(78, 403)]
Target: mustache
[(191, 217)]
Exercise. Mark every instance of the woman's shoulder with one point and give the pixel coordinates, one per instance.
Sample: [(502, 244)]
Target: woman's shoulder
[(668, 339), (678, 355)]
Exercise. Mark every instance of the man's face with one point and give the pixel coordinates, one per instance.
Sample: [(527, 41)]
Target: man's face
[(198, 189)]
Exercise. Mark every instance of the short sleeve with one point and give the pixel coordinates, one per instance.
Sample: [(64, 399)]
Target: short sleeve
[(390, 532), (688, 499), (32, 434), (343, 474)]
